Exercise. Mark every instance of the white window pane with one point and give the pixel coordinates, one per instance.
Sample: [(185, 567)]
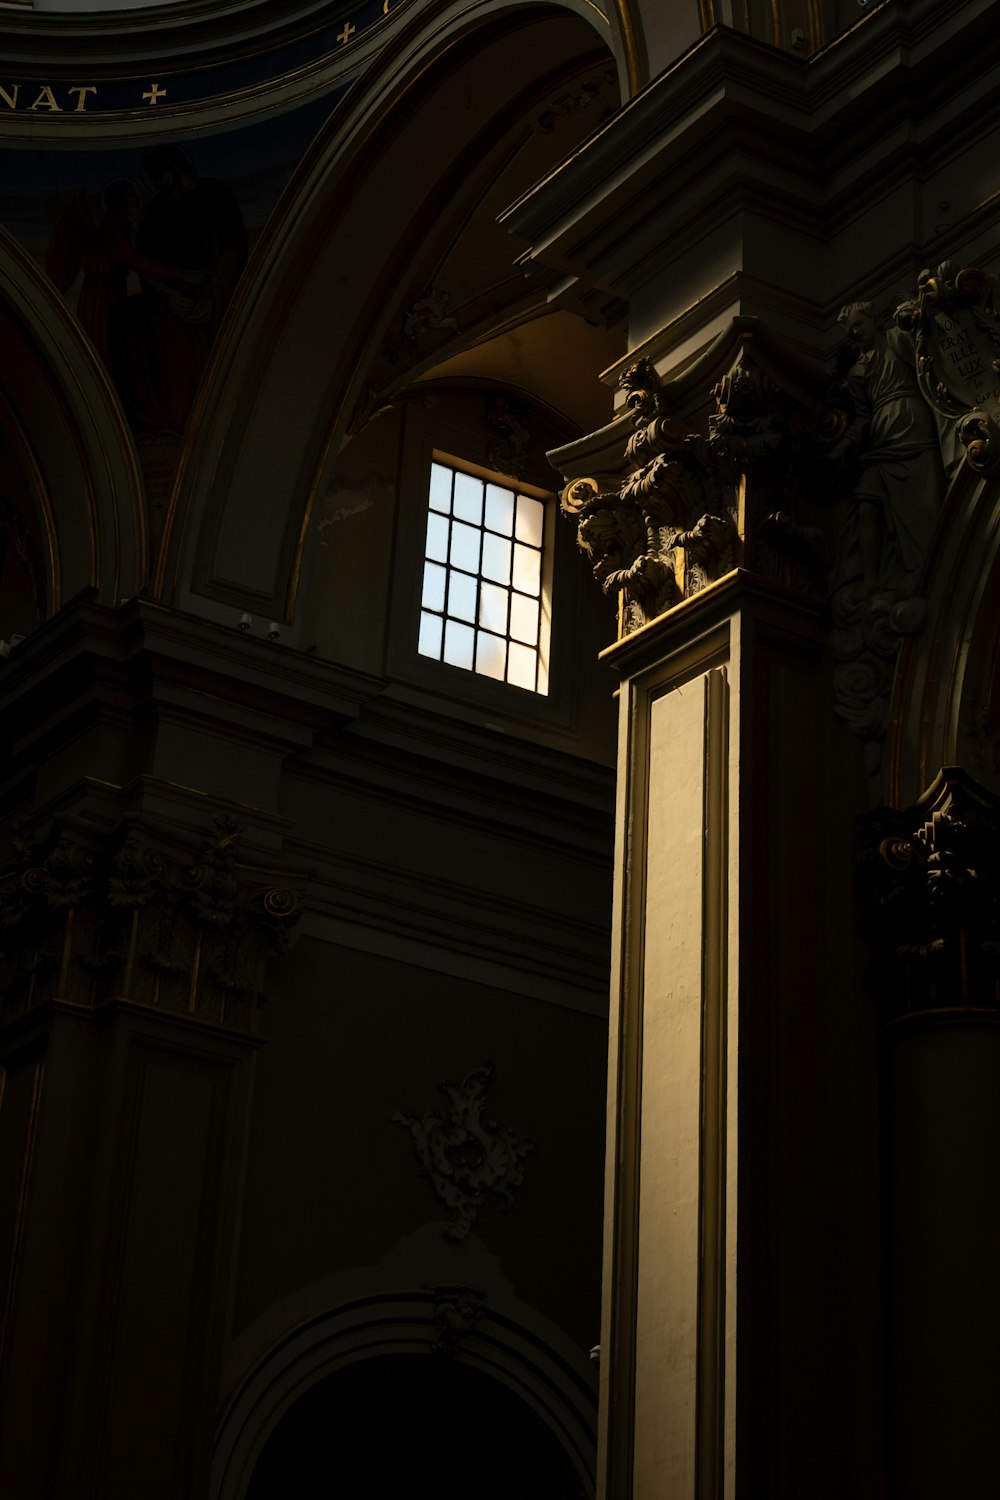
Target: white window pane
[(458, 644), (437, 538), (465, 547), (493, 608), (530, 518), (433, 595), (524, 619), (430, 635), (491, 655), (496, 559), (527, 569), (440, 495), (521, 666), (499, 509), (469, 499), (462, 597)]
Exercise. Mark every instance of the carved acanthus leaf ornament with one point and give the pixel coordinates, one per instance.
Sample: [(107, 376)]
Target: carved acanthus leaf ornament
[(468, 1159)]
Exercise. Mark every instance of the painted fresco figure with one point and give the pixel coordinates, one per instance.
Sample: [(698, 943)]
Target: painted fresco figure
[(160, 347), (894, 437), (103, 249)]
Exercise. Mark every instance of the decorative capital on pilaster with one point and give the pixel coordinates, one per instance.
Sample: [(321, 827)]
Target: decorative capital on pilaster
[(92, 918), (929, 891), (693, 506)]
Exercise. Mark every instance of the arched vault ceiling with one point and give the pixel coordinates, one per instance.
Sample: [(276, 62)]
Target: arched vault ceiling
[(380, 206), (556, 357)]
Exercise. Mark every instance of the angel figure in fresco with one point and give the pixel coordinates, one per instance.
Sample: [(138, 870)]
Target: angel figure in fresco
[(894, 438), (102, 248), (193, 224)]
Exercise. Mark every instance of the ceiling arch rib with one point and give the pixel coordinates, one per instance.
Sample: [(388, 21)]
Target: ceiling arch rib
[(66, 439)]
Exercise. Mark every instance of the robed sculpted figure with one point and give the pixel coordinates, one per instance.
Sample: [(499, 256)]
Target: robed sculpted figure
[(895, 439)]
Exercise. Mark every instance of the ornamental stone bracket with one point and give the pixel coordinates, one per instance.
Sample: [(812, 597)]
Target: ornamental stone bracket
[(91, 919), (749, 491), (928, 888), (468, 1159)]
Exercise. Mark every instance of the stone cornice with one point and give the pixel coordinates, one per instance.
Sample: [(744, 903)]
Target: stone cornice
[(733, 118), (141, 644)]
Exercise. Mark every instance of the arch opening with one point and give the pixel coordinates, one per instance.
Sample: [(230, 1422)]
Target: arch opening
[(399, 1423)]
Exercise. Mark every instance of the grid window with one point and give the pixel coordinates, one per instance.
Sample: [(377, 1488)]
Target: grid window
[(482, 605)]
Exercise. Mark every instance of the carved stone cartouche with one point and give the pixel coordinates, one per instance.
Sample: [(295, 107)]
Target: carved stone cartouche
[(954, 322), (468, 1159)]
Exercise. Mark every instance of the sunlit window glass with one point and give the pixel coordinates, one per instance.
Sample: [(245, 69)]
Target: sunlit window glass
[(482, 582)]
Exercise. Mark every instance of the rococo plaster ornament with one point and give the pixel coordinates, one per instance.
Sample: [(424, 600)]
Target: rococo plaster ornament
[(468, 1159), (93, 919), (929, 892)]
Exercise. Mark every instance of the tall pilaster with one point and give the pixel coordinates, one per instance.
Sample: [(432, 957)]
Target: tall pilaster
[(731, 1325)]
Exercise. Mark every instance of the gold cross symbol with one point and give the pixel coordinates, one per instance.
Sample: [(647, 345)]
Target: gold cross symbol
[(154, 93), (348, 31)]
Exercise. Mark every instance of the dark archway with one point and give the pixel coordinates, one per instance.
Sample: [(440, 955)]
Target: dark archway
[(411, 1424)]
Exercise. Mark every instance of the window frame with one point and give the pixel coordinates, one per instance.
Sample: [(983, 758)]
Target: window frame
[(456, 465), (425, 436)]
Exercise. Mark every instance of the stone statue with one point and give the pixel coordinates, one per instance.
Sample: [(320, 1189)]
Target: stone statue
[(894, 437), (893, 441)]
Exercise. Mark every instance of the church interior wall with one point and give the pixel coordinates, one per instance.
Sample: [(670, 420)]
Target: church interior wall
[(289, 897), (356, 1039)]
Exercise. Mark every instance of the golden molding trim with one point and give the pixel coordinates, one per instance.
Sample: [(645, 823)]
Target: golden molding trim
[(635, 72)]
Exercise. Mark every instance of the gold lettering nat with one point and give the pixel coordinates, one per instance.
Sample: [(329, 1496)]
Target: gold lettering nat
[(78, 97)]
